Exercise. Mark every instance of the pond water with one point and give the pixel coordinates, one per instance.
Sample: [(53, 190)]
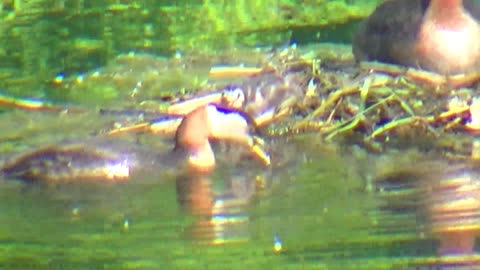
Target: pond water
[(319, 205), (309, 213)]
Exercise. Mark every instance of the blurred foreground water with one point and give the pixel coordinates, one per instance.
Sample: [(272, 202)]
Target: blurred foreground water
[(321, 205), (318, 207)]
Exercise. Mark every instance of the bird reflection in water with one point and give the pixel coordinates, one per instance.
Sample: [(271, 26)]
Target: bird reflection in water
[(445, 198), (220, 213)]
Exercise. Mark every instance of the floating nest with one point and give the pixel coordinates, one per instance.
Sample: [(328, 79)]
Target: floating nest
[(320, 90), (316, 89), (376, 105)]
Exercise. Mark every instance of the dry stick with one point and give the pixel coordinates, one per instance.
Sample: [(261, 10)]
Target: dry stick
[(427, 119), (142, 127), (413, 73), (416, 74), (363, 96), (354, 120), (323, 107), (34, 105), (332, 113), (223, 72), (393, 96), (404, 105), (391, 125), (372, 81), (423, 75)]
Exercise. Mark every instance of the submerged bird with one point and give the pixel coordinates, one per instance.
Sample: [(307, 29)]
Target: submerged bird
[(437, 35)]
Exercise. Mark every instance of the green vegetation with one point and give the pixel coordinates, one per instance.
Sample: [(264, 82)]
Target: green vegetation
[(40, 38)]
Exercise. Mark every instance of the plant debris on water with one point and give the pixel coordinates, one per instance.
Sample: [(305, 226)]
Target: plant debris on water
[(317, 89)]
